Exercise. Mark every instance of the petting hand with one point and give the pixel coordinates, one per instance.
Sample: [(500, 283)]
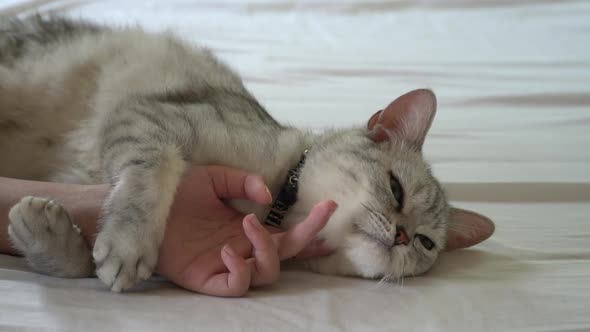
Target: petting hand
[(211, 248)]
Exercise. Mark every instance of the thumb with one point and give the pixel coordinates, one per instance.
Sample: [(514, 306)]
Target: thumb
[(231, 183)]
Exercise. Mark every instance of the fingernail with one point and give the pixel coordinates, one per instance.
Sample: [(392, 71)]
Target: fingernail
[(251, 218), (229, 251), (333, 207)]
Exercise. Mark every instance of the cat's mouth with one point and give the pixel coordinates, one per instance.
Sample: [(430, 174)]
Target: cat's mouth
[(383, 241)]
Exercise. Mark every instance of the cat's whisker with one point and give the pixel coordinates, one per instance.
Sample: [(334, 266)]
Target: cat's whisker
[(375, 213), (378, 222), (403, 271), (385, 279)]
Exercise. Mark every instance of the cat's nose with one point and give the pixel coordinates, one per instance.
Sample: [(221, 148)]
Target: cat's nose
[(401, 237)]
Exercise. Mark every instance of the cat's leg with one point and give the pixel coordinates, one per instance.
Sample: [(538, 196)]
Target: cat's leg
[(142, 159), (43, 232)]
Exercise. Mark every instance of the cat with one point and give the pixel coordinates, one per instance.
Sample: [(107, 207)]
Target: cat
[(83, 103)]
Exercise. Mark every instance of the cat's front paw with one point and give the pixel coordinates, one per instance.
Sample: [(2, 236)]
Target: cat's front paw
[(124, 256)]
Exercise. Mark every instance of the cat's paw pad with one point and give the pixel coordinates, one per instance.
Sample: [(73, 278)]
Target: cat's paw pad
[(43, 232), (124, 257)]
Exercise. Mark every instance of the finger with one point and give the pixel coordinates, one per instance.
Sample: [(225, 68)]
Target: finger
[(234, 283), (317, 248), (293, 241), (231, 183), (267, 265)]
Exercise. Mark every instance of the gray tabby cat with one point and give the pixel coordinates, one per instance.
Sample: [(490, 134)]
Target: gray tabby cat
[(86, 104)]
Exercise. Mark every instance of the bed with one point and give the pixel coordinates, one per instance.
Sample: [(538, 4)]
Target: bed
[(511, 140)]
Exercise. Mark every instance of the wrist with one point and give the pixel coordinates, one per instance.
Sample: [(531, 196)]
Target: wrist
[(84, 204)]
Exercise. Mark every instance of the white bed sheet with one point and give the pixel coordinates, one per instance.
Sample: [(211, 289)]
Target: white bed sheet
[(510, 140)]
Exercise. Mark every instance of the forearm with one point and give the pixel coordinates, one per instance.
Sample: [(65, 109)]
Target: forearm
[(83, 203)]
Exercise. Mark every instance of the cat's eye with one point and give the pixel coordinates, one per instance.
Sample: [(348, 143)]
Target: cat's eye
[(426, 241), (397, 190)]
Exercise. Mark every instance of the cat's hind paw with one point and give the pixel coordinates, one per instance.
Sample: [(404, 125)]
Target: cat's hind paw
[(43, 232)]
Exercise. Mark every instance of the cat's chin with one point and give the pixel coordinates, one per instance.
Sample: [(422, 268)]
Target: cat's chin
[(360, 259), (339, 265)]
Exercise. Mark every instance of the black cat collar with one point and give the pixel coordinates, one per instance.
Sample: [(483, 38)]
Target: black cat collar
[(287, 196)]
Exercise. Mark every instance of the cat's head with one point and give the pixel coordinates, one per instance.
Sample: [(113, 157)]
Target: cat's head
[(393, 217)]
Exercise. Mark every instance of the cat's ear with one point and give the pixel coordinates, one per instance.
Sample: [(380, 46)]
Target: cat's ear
[(467, 228), (408, 117)]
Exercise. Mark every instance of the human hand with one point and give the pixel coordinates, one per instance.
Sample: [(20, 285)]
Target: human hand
[(211, 248)]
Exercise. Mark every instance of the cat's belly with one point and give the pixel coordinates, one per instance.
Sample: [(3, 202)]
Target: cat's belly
[(41, 158), (28, 157)]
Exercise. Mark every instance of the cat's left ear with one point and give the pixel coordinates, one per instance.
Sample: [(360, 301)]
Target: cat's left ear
[(467, 228), (408, 118)]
